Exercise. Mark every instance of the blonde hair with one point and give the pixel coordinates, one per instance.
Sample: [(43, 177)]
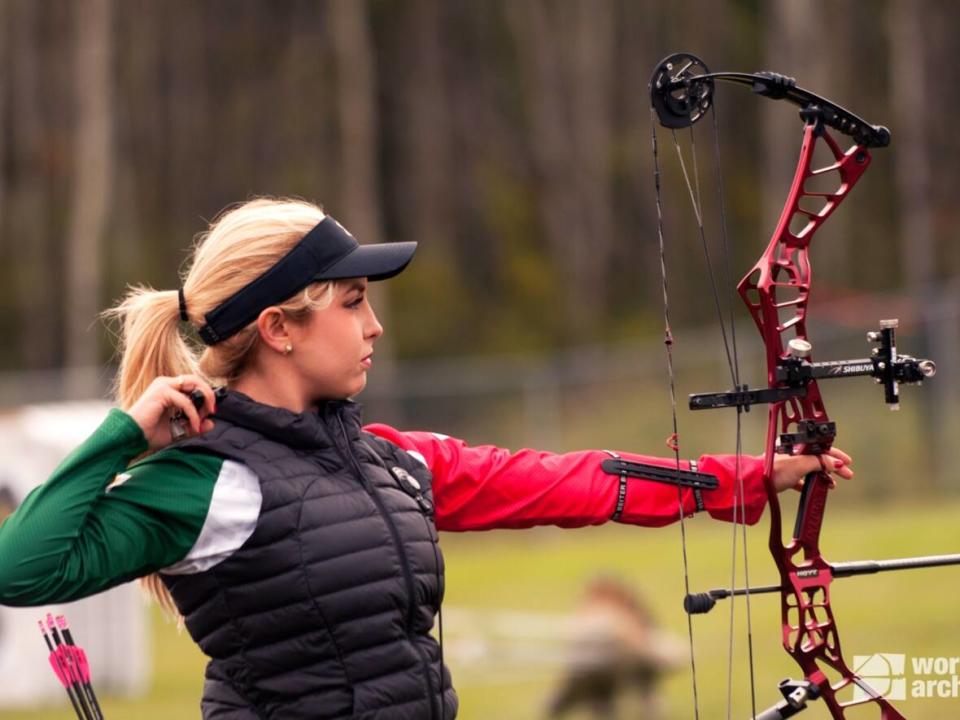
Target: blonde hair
[(240, 245)]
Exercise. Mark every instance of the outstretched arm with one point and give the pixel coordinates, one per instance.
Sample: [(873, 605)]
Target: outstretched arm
[(484, 487)]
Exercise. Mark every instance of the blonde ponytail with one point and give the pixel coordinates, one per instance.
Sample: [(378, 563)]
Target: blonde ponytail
[(241, 244), (150, 344)]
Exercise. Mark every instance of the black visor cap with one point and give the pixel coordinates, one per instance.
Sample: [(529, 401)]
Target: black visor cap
[(327, 252)]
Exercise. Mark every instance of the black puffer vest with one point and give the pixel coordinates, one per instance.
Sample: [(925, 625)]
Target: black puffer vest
[(325, 611)]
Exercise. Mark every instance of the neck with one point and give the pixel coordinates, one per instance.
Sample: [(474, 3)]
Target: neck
[(273, 387)]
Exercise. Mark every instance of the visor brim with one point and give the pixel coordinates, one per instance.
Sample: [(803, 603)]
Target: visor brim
[(374, 262)]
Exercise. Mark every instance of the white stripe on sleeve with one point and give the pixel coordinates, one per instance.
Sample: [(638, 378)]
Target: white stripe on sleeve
[(231, 519), (418, 457)]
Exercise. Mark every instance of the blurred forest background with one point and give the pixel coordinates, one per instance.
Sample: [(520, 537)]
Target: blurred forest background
[(512, 139)]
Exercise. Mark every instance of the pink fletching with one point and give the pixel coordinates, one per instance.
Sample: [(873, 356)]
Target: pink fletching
[(80, 662), (61, 622), (58, 670), (69, 666), (50, 623)]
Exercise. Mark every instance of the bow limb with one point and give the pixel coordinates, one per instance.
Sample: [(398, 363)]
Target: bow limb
[(776, 292)]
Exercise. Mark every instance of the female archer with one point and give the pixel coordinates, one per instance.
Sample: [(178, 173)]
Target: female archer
[(298, 545)]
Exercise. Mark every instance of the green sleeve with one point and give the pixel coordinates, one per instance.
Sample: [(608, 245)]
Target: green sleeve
[(95, 523)]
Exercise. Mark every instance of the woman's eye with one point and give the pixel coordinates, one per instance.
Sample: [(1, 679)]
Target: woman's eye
[(356, 302)]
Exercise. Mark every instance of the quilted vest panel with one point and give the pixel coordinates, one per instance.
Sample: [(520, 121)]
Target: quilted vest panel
[(326, 610)]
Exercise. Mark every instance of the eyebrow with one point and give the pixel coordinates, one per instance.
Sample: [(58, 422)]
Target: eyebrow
[(357, 285)]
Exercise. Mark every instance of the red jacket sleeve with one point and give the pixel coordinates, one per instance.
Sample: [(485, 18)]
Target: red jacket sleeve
[(486, 487)]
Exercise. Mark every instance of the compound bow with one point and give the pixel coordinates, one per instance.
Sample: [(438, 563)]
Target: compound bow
[(776, 292)]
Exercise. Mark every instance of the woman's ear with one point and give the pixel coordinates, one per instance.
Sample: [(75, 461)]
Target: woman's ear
[(274, 328)]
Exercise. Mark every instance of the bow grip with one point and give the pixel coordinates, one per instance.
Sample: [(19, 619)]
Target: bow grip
[(813, 500)]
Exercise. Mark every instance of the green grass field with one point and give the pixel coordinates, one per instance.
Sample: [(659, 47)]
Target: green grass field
[(544, 570)]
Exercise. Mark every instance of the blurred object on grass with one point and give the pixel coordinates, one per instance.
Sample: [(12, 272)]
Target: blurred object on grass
[(618, 652)]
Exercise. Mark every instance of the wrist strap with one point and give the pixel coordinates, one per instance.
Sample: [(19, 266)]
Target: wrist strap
[(692, 478), (621, 489), (697, 494)]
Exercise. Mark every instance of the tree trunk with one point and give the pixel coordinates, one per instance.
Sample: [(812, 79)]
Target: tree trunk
[(910, 94), (4, 24), (591, 99), (359, 203), (427, 202), (28, 218), (359, 207), (800, 46), (566, 64), (93, 169)]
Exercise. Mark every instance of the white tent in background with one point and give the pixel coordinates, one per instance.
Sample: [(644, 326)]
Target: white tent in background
[(112, 627)]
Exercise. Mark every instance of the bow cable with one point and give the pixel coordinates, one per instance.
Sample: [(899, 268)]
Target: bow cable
[(692, 181), (739, 492), (675, 445)]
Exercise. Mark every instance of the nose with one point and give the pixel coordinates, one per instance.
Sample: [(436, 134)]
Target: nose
[(373, 327)]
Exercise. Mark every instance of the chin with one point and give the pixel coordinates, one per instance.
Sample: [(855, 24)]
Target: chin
[(352, 395), (354, 390)]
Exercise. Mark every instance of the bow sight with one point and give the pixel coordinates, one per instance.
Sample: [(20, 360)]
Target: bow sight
[(794, 373)]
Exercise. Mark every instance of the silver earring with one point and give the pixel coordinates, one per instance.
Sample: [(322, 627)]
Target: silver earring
[(288, 349)]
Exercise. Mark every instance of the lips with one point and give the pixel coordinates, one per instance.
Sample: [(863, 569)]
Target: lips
[(367, 361)]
